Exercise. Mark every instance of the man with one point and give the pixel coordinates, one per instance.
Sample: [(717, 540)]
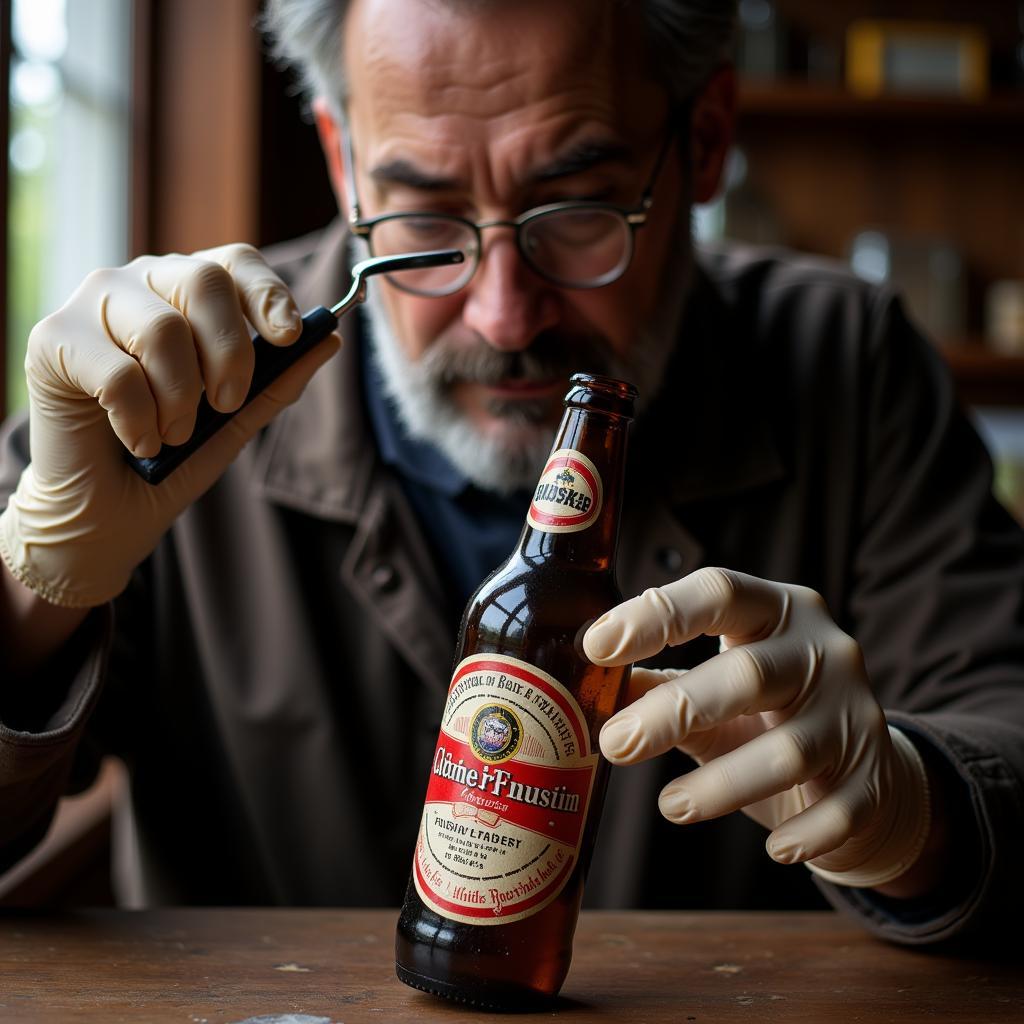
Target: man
[(282, 616)]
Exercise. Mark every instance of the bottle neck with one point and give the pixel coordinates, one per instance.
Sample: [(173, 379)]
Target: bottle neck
[(585, 471)]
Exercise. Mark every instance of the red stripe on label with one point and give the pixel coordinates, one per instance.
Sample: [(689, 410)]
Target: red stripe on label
[(562, 826)]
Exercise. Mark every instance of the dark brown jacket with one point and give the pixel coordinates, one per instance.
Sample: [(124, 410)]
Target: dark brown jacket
[(277, 668)]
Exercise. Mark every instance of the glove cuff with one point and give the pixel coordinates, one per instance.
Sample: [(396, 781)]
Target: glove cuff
[(907, 825), (25, 543)]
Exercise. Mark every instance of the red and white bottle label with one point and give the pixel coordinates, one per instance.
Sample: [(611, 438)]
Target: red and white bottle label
[(569, 495), (509, 790)]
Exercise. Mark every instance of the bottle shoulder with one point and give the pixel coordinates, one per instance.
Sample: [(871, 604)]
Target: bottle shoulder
[(544, 581), (523, 610)]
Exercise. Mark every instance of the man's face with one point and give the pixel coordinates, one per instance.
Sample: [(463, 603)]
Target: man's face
[(487, 111)]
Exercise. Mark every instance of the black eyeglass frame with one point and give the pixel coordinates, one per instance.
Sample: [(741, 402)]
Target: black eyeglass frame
[(633, 218)]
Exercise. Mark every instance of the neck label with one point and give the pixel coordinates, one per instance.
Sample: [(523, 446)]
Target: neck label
[(569, 495)]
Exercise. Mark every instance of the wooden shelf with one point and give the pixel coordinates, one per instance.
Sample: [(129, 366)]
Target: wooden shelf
[(797, 99), (985, 377), (823, 163)]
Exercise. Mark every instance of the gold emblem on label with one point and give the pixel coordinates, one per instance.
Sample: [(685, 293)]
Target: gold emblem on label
[(496, 733)]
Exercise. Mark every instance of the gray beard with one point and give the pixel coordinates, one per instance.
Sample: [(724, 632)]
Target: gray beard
[(509, 454)]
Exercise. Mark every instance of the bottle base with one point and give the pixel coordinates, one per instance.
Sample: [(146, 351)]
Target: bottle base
[(498, 998)]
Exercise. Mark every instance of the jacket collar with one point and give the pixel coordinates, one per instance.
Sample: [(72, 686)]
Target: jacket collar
[(709, 431), (318, 454)]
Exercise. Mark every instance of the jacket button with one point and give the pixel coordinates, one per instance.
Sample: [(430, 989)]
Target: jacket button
[(669, 559), (384, 578)]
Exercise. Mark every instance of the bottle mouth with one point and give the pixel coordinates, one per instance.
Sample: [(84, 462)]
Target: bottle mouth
[(607, 394)]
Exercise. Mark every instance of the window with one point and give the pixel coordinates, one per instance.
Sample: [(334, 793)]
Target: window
[(69, 157)]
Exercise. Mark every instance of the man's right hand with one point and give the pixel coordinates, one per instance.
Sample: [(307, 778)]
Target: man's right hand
[(125, 361)]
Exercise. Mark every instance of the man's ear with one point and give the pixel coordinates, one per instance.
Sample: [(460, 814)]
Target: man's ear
[(713, 123), (329, 130)]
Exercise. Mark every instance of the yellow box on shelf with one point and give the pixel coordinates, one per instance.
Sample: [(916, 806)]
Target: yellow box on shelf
[(884, 57)]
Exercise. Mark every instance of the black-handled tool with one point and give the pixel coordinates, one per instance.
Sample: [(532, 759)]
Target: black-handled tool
[(273, 360)]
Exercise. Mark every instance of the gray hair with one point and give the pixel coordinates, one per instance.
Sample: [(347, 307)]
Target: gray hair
[(689, 39)]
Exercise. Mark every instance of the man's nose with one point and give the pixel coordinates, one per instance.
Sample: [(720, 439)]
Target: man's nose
[(507, 303)]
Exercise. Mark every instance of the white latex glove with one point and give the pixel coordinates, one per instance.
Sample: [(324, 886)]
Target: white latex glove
[(782, 721), (132, 350)]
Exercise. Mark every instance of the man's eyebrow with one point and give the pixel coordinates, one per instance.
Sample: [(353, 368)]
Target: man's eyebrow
[(582, 157), (402, 172)]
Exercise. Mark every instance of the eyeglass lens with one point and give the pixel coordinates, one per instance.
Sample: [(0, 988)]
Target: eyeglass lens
[(573, 247)]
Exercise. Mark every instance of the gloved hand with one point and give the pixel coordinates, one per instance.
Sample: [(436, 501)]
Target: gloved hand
[(782, 721), (126, 360)]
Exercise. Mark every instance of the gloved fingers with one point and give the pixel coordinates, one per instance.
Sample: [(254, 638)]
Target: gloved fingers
[(205, 466), (653, 723), (205, 295), (701, 744), (643, 679), (159, 337), (743, 680), (768, 765), (704, 745), (825, 825), (266, 301), (710, 601), (63, 357)]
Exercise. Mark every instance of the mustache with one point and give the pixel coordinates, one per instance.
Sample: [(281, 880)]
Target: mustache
[(453, 360)]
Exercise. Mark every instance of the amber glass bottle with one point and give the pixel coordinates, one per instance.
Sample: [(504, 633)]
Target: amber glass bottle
[(517, 782)]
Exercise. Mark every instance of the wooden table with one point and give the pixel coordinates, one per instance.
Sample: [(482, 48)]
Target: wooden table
[(317, 966)]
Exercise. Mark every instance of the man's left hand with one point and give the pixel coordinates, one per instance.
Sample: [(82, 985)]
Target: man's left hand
[(782, 722)]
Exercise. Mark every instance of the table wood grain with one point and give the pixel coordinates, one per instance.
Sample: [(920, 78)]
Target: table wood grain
[(200, 966)]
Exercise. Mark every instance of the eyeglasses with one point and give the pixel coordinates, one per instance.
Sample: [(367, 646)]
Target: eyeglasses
[(572, 244)]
